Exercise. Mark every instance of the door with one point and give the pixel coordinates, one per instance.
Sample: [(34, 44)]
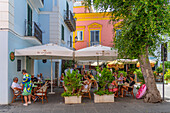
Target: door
[(29, 65), (94, 38)]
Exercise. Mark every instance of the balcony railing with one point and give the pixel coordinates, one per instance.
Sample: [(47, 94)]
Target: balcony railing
[(32, 29), (94, 43), (70, 20)]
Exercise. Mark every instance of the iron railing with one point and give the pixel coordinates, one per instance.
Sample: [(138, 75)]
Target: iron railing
[(32, 29), (70, 20), (94, 43)]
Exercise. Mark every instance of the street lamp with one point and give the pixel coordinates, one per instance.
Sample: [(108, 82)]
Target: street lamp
[(76, 38)]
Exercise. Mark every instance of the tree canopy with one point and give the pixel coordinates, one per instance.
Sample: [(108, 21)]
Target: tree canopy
[(142, 23)]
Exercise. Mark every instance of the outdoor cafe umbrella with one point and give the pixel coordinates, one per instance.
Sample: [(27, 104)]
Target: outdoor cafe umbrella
[(152, 63), (47, 51), (97, 52)]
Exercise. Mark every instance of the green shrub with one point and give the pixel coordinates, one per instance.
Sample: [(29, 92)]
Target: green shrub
[(124, 73), (139, 74), (101, 92), (167, 64), (73, 83), (104, 80), (167, 75), (159, 69)]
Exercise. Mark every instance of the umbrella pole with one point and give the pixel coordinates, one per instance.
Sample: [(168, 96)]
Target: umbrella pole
[(97, 60), (51, 79)]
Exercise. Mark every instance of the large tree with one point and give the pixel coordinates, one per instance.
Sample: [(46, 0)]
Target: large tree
[(142, 23)]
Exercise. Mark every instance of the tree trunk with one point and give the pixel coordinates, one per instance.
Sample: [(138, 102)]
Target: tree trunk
[(152, 93)]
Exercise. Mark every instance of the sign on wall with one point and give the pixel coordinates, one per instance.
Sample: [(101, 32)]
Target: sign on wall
[(12, 56)]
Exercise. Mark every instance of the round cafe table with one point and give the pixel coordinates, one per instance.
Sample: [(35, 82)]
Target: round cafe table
[(38, 83)]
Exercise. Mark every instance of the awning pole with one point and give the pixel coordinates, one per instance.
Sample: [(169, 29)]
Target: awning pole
[(97, 60), (51, 79)]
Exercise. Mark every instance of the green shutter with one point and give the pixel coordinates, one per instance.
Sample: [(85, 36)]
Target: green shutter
[(29, 21), (70, 41), (62, 32), (67, 9)]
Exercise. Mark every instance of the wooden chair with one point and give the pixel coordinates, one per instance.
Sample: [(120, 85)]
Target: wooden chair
[(130, 92), (17, 95), (86, 91), (41, 93)]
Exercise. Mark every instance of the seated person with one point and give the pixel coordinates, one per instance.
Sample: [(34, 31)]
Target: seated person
[(94, 82), (128, 87), (120, 80), (85, 77), (115, 76), (113, 87), (126, 79), (91, 76), (34, 79), (86, 83), (39, 78), (61, 79), (15, 86)]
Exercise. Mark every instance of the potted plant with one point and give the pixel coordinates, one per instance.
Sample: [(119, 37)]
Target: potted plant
[(72, 84), (104, 80), (159, 70), (167, 76)]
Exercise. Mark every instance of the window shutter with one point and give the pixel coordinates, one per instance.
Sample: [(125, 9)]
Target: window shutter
[(62, 30), (70, 41)]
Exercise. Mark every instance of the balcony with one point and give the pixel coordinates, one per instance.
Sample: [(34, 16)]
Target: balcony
[(38, 3), (94, 43), (70, 20), (33, 31)]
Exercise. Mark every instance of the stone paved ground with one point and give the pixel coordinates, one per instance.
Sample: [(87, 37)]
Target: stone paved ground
[(121, 105)]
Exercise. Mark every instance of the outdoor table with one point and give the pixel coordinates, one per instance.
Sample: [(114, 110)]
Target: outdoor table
[(48, 80), (119, 87), (38, 83)]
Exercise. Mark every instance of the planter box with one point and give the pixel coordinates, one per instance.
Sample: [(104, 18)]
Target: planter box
[(72, 99), (103, 98)]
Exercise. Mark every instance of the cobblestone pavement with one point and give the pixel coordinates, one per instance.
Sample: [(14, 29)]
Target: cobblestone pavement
[(121, 105)]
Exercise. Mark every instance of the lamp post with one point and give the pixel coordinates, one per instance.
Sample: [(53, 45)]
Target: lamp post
[(164, 58), (163, 70)]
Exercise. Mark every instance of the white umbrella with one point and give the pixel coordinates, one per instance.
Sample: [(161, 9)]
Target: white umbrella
[(48, 51), (95, 63), (98, 52), (128, 61)]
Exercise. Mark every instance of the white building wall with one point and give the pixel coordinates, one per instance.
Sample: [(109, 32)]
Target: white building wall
[(4, 67), (7, 14)]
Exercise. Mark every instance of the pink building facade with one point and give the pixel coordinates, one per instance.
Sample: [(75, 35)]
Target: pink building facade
[(92, 29)]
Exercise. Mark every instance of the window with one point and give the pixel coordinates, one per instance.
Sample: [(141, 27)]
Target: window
[(18, 65), (70, 41), (29, 20), (62, 32), (79, 35), (94, 37)]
